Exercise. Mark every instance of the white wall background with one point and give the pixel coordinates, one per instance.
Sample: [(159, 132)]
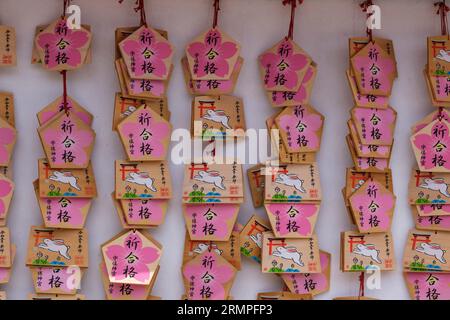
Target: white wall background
[(322, 29)]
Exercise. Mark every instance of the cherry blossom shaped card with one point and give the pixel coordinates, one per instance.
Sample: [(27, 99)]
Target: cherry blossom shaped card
[(374, 70), (67, 141), (62, 48), (299, 97), (35, 58), (292, 220), (372, 206), (122, 33), (440, 114), (145, 135), (374, 126), (433, 223), (365, 100), (57, 107), (131, 257), (68, 183), (212, 55), (434, 209), (125, 291), (361, 252), (142, 180), (56, 280), (227, 249), (427, 251), (310, 283), (367, 151), (431, 146), (280, 255), (213, 183), (366, 164), (7, 107), (292, 183), (140, 88), (57, 248), (5, 273), (147, 54), (210, 222), (208, 276), (284, 66), (124, 107), (211, 87), (148, 212), (64, 213), (8, 56), (300, 128), (438, 56), (6, 193), (5, 248), (251, 237), (8, 136), (218, 117), (428, 286), (434, 102)]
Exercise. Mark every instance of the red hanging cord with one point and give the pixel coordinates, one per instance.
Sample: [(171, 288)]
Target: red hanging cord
[(443, 9), (293, 4), (361, 285), (216, 12), (66, 3), (365, 7), (140, 6), (65, 104)]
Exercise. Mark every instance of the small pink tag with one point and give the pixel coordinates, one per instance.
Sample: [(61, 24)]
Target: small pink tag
[(56, 280), (65, 212), (428, 286), (375, 126), (292, 220)]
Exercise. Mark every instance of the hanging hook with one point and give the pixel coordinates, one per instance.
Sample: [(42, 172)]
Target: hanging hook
[(216, 12), (361, 285), (442, 10), (293, 4), (66, 3), (365, 8), (139, 6)]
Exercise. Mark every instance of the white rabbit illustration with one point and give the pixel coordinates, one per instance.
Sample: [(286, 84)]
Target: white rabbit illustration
[(257, 239), (290, 180), (433, 250), (211, 177), (368, 250), (56, 246), (65, 177), (436, 184), (289, 253), (142, 179), (202, 247), (218, 116), (443, 55)]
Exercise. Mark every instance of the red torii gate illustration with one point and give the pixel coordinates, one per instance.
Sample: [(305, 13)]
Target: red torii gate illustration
[(194, 167), (42, 234), (351, 241), (279, 169), (272, 243), (420, 175), (258, 227), (417, 237), (437, 44), (202, 107), (124, 170)]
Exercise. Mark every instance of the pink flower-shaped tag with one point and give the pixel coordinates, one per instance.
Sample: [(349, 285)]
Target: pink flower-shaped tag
[(213, 222), (292, 220), (212, 56), (147, 54), (374, 70), (300, 128), (366, 100), (67, 141), (7, 141), (372, 207), (145, 135), (61, 48), (208, 277), (428, 286), (435, 223), (431, 146), (374, 126), (132, 258), (67, 213), (284, 66), (56, 280), (370, 164), (301, 96), (6, 193)]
